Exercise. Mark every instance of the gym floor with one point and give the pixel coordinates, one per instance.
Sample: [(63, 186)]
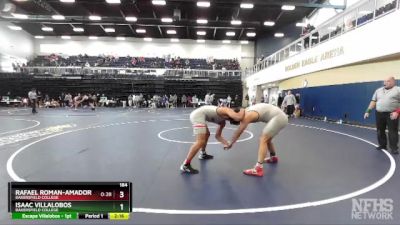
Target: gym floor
[(323, 167)]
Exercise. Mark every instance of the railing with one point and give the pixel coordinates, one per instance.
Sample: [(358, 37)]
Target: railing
[(181, 73), (357, 15)]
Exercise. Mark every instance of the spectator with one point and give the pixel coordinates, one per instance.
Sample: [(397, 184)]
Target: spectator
[(77, 101), (190, 100), (297, 96), (184, 101), (68, 100), (130, 100), (175, 101), (195, 101), (236, 101), (253, 100), (212, 97), (207, 98), (297, 109), (229, 100), (280, 100), (289, 102), (246, 100)]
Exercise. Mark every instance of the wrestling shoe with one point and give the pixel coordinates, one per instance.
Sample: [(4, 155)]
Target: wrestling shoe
[(205, 156), (272, 159), (256, 171), (188, 169)]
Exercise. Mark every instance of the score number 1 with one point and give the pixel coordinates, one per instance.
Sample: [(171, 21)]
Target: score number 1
[(122, 194)]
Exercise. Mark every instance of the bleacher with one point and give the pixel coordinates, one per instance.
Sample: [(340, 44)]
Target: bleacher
[(118, 87), (132, 62)]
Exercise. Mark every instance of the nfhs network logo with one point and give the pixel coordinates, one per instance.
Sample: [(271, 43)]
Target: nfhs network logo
[(372, 209)]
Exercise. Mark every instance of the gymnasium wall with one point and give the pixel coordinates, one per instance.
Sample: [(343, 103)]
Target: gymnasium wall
[(356, 73), (371, 41), (157, 48), (345, 92), (15, 46)]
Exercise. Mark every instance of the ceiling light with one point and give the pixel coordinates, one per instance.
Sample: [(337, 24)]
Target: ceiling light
[(67, 1), (269, 23), (65, 37), (279, 35), (113, 1), (39, 37), (331, 28), (109, 30), (140, 31), (159, 2), (120, 38), (288, 7), (203, 4), (201, 40), (15, 27), (174, 40), (94, 18), (202, 21), (47, 29), (166, 20), (201, 33), (226, 41), (171, 31), (236, 22), (251, 34), (301, 25), (131, 18), (230, 33), (20, 16), (244, 42), (78, 29), (58, 17), (147, 39), (93, 37), (246, 5)]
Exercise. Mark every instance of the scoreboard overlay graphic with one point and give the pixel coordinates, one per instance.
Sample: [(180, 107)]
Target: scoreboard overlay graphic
[(69, 200)]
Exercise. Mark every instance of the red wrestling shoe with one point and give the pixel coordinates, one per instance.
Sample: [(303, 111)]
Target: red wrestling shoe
[(256, 171), (273, 159)]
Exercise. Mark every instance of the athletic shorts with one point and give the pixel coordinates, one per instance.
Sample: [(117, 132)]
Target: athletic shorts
[(199, 124), (275, 125)]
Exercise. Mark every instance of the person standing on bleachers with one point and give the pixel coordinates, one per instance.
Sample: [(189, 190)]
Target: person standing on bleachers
[(32, 98)]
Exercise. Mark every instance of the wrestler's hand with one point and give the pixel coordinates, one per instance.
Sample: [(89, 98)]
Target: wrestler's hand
[(227, 146)]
